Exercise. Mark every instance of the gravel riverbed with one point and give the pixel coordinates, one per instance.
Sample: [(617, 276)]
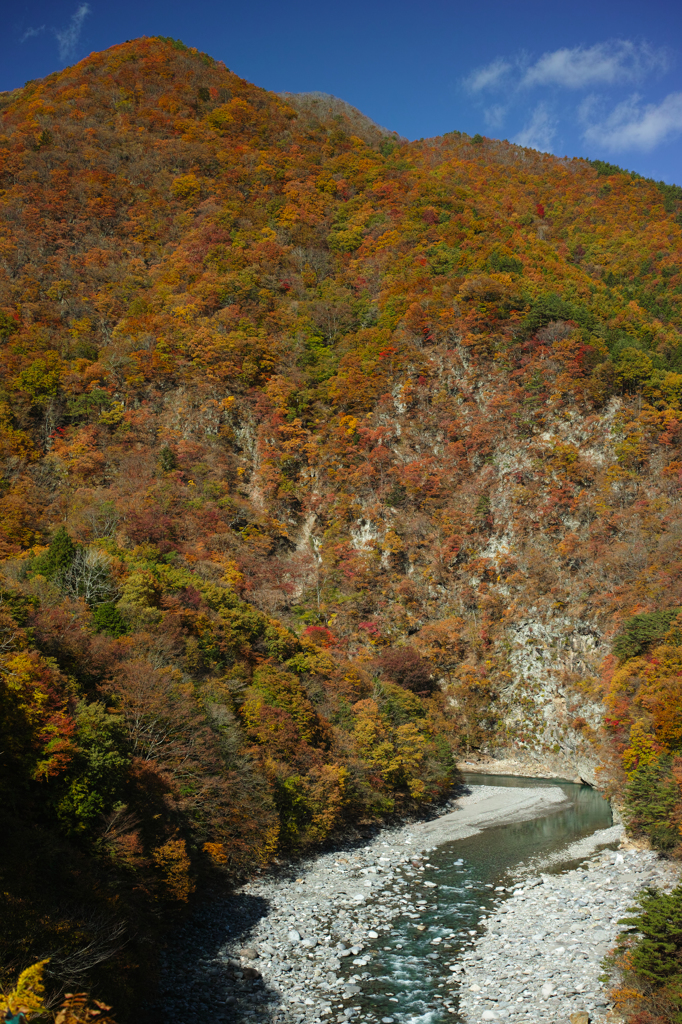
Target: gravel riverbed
[(316, 941), (539, 958)]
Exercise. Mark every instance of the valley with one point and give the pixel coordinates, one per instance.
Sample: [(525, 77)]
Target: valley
[(329, 462)]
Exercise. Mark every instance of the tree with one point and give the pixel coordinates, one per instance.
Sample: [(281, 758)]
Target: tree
[(107, 618), (97, 773), (651, 798), (649, 952), (407, 668), (88, 576), (168, 460), (58, 557)]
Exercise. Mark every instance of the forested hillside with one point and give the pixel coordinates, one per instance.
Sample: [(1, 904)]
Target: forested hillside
[(325, 457)]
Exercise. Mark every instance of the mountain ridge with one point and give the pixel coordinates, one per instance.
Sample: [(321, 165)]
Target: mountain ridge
[(325, 460)]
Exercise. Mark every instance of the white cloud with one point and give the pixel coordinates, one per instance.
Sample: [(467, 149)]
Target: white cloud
[(495, 115), (67, 38), (632, 125), (609, 63), (488, 77), (605, 73), (30, 32), (539, 132)]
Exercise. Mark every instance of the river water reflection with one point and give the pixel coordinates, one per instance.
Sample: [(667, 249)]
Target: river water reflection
[(409, 980)]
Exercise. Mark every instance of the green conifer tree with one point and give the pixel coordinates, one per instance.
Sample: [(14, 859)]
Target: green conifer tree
[(58, 557), (167, 459), (106, 618), (650, 800), (656, 926)]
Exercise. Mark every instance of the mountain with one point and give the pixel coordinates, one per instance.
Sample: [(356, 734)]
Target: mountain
[(326, 458)]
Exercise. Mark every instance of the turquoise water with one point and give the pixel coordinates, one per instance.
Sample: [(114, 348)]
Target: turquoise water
[(409, 981)]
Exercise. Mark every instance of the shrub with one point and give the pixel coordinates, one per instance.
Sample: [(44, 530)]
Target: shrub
[(640, 632), (407, 668)]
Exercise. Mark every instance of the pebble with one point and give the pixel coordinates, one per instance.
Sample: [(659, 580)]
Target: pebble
[(311, 935), (540, 956), (292, 948)]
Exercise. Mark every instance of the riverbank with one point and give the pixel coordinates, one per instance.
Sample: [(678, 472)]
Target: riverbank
[(486, 807), (540, 956), (530, 767), (319, 940)]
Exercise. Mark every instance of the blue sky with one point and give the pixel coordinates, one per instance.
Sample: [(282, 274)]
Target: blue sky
[(596, 79)]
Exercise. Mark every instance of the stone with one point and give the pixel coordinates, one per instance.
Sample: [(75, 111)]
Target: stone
[(514, 947), (248, 953), (488, 1015), (293, 935), (580, 1017)]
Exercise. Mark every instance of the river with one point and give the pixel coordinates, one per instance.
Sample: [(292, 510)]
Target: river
[(361, 932), (407, 983)]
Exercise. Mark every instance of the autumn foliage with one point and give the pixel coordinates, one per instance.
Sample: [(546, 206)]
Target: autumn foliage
[(300, 424)]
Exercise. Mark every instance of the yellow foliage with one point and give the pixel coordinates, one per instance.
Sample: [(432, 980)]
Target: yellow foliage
[(393, 543), (141, 589), (269, 841), (110, 417), (187, 187), (14, 443), (27, 999), (27, 996), (275, 689), (317, 659), (216, 852), (42, 379), (396, 755), (29, 719), (75, 1010), (326, 792), (174, 864), (642, 749)]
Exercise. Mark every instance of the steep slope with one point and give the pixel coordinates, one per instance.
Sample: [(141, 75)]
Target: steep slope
[(325, 457)]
